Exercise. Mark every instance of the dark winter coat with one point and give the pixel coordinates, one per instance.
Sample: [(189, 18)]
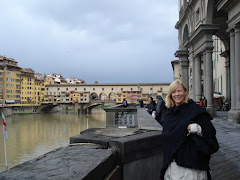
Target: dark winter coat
[(151, 107), (160, 109), (191, 151)]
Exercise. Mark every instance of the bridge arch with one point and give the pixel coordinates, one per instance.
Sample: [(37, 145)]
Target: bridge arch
[(112, 96), (94, 96), (103, 96)]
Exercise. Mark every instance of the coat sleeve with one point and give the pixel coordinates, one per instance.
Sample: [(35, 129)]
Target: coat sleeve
[(207, 143)]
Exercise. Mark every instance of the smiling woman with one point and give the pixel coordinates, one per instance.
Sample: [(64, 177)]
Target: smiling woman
[(189, 138), (177, 94)]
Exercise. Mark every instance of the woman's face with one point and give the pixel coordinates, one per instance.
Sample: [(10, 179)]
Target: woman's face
[(178, 95), (149, 100)]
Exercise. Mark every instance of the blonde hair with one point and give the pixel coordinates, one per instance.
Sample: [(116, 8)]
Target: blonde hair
[(173, 86)]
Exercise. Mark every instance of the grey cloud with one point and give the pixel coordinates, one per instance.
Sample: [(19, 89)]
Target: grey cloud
[(78, 38)]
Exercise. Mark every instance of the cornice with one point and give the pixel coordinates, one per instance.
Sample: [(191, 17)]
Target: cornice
[(203, 29), (226, 5)]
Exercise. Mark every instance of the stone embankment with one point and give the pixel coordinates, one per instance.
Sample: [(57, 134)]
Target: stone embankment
[(107, 153), (131, 153)]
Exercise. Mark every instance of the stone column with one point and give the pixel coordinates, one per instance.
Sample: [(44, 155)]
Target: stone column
[(227, 66), (237, 65), (209, 80), (204, 73), (232, 70), (192, 66), (198, 88), (228, 89), (184, 64)]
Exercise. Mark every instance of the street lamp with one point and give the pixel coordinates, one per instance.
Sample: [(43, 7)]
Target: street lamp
[(138, 87)]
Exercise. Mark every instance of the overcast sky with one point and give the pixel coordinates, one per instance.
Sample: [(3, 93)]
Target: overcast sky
[(109, 41)]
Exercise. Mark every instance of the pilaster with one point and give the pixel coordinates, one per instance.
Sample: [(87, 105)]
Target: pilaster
[(184, 64), (198, 88)]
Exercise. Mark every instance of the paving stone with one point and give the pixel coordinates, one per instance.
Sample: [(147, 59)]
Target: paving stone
[(225, 164)]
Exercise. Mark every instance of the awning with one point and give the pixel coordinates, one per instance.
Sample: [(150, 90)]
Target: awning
[(10, 101), (215, 95)]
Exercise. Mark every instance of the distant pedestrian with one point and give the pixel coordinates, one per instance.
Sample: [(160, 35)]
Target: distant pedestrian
[(151, 106), (189, 137), (200, 102), (204, 102), (141, 103), (160, 108), (125, 103)]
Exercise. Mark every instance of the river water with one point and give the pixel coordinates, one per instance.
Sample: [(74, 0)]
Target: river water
[(32, 135)]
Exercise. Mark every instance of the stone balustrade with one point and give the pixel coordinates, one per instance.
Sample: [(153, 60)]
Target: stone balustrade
[(121, 117)]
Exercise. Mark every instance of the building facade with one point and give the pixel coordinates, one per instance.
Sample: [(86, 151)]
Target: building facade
[(27, 87), (199, 21), (130, 96), (10, 88)]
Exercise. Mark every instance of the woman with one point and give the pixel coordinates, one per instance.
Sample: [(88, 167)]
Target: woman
[(151, 106), (189, 138)]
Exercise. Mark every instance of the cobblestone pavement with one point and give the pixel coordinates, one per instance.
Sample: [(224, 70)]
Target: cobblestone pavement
[(225, 164)]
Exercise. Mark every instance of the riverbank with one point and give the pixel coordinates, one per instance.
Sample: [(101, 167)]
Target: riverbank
[(32, 135), (127, 153)]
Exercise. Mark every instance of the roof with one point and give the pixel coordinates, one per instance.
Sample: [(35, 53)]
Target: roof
[(117, 84)]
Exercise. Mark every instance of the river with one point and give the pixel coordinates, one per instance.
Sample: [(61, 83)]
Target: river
[(32, 135)]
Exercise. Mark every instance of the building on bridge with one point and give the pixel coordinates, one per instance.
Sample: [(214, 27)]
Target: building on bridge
[(203, 25), (104, 92), (130, 96)]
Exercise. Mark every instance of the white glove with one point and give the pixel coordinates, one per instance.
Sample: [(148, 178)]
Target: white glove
[(195, 129)]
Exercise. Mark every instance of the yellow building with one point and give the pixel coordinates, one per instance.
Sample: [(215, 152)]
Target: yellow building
[(130, 96), (9, 80), (75, 97), (49, 80), (27, 87), (39, 90)]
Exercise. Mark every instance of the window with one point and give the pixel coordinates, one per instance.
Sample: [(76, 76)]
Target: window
[(66, 89), (121, 89), (75, 89), (131, 89), (112, 89), (84, 89), (93, 89), (150, 88), (58, 89), (102, 89)]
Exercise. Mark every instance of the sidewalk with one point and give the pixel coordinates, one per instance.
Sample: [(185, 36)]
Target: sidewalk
[(225, 164)]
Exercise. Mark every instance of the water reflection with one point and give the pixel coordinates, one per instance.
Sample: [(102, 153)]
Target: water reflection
[(32, 135)]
